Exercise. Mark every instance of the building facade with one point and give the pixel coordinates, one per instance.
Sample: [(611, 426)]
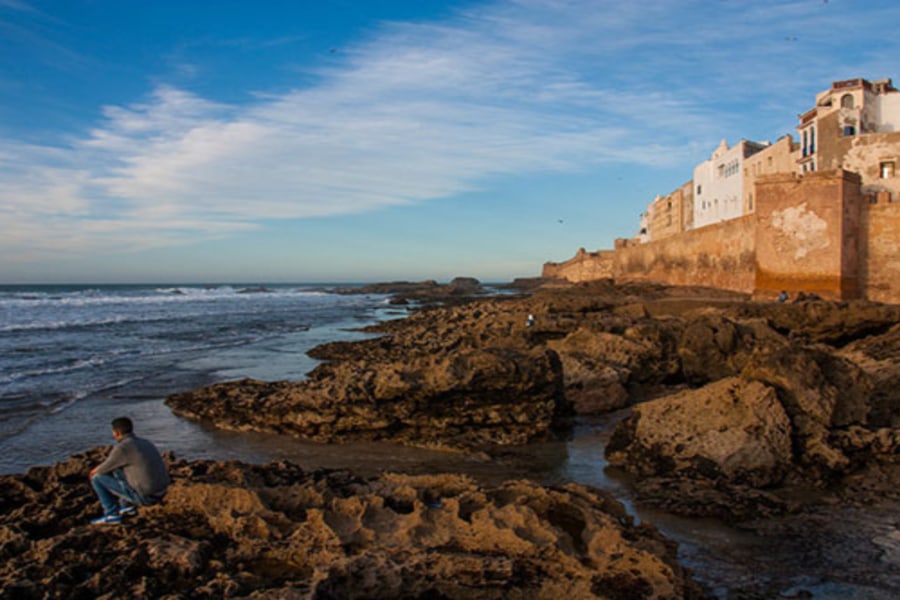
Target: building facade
[(667, 215), (780, 157), (855, 125), (719, 183)]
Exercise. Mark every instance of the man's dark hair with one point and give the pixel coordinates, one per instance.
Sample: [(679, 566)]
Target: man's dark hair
[(122, 425)]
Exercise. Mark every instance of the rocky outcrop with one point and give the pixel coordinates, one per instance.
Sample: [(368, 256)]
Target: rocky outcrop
[(275, 531), (820, 398), (879, 357), (733, 430), (476, 374), (463, 399), (459, 290)]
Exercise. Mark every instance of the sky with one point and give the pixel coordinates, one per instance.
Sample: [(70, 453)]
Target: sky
[(377, 140)]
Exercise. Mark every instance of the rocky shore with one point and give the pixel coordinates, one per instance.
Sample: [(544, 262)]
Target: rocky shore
[(772, 417), (231, 530)]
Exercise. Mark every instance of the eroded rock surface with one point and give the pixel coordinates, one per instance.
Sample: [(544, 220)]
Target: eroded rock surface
[(733, 429), (476, 374), (276, 531), (461, 399)]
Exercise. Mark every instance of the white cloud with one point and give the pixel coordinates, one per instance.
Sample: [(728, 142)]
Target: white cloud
[(417, 112)]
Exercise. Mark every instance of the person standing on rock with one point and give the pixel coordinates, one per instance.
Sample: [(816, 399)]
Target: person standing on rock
[(133, 475)]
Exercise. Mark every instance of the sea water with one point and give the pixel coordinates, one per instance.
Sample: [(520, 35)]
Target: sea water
[(73, 357)]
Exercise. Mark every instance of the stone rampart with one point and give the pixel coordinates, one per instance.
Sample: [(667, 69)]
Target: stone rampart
[(880, 251), (813, 234), (719, 255), (807, 234), (584, 266)]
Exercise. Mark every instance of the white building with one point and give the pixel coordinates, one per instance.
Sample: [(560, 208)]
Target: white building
[(718, 183)]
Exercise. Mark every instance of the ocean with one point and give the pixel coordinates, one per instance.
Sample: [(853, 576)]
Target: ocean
[(72, 357)]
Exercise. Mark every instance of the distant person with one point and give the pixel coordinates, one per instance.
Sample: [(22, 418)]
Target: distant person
[(529, 322), (133, 475), (801, 297), (783, 297)]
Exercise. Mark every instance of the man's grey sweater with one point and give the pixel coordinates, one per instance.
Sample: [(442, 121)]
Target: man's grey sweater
[(141, 464)]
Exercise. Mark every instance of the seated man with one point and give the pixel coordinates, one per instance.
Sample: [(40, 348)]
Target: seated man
[(133, 474)]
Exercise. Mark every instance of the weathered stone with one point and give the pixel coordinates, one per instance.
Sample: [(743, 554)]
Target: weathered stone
[(275, 531), (469, 398), (734, 430), (879, 357)]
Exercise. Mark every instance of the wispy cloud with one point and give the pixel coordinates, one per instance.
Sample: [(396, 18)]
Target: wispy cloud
[(420, 111)]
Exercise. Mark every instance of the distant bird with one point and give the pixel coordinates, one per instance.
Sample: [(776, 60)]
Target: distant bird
[(559, 220), (791, 39)]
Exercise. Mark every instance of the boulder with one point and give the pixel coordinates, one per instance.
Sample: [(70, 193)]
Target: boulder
[(879, 357), (733, 430), (461, 400), (819, 391)]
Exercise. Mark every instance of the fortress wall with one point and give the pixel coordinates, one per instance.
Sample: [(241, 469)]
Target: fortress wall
[(880, 252), (584, 266), (721, 255), (813, 233), (807, 234)]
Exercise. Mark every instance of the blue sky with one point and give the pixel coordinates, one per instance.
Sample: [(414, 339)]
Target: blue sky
[(377, 140)]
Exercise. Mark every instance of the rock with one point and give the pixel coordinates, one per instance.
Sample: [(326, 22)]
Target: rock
[(275, 531), (705, 498), (460, 289), (879, 357), (732, 430), (393, 287), (598, 367), (472, 373), (470, 398), (713, 348), (819, 391), (832, 323)]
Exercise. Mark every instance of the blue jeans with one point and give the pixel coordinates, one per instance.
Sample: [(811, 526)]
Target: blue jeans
[(113, 491)]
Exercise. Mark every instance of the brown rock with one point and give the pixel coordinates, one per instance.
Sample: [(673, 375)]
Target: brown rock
[(275, 531), (879, 357), (734, 430)]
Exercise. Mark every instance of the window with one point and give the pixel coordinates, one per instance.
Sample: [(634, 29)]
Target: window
[(849, 130), (805, 142), (847, 101), (699, 188), (886, 169), (812, 140)]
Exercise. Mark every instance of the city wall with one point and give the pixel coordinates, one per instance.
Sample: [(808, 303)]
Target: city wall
[(807, 234), (880, 251), (816, 234), (719, 255), (584, 266)]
